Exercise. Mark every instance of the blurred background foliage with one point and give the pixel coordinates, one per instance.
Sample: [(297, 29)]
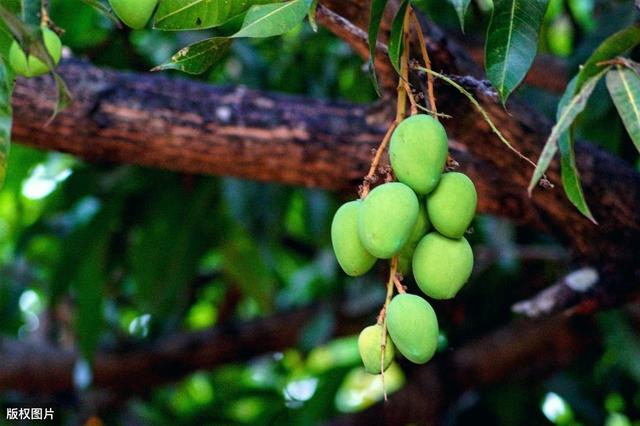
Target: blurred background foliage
[(135, 254)]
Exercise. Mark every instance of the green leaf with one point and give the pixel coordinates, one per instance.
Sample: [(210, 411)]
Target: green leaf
[(571, 176), (397, 36), (481, 110), (568, 109), (6, 116), (312, 15), (461, 7), (173, 15), (375, 16), (273, 19), (615, 45), (198, 57), (512, 42), (624, 87)]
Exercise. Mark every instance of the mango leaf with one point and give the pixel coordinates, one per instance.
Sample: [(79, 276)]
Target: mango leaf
[(175, 15), (198, 57), (568, 109), (273, 19), (512, 42), (485, 114), (461, 7), (375, 16), (571, 176), (397, 36), (6, 116), (615, 45), (568, 167), (624, 87)]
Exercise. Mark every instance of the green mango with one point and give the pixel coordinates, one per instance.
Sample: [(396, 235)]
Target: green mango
[(32, 66), (369, 345), (441, 266), (452, 205), (419, 230), (387, 218), (134, 13), (418, 152), (413, 327), (353, 258)]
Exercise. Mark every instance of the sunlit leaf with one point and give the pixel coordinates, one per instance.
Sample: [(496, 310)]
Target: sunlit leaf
[(512, 42), (273, 19), (200, 14), (624, 86)]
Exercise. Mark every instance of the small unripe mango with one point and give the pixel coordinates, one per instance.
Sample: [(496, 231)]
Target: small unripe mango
[(452, 205), (369, 345), (413, 327), (418, 152), (353, 258), (441, 266), (31, 65), (134, 13), (386, 219)]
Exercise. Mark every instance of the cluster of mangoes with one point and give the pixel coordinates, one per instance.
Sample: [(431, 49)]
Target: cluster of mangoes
[(421, 219), (134, 13)]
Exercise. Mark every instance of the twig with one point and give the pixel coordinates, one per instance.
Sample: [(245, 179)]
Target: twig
[(427, 64)]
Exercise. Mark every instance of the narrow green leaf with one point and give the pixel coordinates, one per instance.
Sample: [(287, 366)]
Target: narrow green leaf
[(512, 42), (6, 116), (571, 176), (312, 15), (198, 57), (177, 15), (481, 110), (397, 35), (375, 16), (568, 111), (461, 7), (615, 45), (273, 19), (624, 87)]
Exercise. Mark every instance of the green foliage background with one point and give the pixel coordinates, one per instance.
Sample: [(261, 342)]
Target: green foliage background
[(140, 253)]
